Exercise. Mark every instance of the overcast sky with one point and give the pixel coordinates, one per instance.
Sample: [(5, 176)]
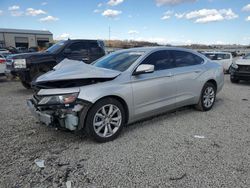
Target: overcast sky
[(163, 21)]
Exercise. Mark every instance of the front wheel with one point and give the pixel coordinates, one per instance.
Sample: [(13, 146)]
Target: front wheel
[(25, 84), (105, 120), (233, 80), (207, 98)]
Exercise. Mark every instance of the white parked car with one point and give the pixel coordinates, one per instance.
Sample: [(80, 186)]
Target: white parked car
[(225, 58), (2, 65), (4, 51)]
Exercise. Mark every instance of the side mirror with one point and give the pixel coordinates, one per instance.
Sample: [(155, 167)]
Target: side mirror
[(67, 51), (144, 68)]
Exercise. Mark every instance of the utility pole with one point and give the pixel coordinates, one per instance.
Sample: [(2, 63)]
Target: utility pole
[(109, 36)]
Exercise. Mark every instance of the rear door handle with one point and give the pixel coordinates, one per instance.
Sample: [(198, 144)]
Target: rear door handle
[(197, 71), (85, 59), (169, 75)]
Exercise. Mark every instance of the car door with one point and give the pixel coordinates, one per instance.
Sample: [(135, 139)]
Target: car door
[(188, 69), (78, 51), (155, 91)]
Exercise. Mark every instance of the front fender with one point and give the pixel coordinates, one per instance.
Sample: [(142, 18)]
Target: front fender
[(95, 92)]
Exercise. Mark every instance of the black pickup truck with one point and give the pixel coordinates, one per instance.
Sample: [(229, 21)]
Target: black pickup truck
[(29, 66)]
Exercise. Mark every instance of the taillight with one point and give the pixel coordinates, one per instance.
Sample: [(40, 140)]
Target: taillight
[(2, 61)]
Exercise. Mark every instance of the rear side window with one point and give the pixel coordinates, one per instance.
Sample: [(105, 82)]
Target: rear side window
[(95, 47), (183, 59), (79, 47), (160, 59)]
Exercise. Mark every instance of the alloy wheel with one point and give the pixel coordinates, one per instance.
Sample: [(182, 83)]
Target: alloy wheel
[(107, 120), (208, 97)]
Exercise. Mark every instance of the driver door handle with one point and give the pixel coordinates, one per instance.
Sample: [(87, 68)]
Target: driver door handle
[(170, 75)]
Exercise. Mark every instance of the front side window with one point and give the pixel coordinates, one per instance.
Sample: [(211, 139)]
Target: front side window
[(183, 59), (160, 59), (56, 47), (118, 61)]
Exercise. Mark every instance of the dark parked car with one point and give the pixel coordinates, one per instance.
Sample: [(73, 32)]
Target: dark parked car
[(33, 49), (31, 65), (22, 50), (240, 69)]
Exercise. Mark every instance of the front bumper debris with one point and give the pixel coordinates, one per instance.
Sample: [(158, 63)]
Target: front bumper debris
[(240, 75), (42, 117), (69, 117)]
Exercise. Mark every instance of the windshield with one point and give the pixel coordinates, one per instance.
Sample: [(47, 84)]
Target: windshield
[(247, 56), (120, 61), (56, 47)]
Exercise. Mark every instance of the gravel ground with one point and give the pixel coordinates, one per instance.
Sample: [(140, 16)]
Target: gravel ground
[(161, 152)]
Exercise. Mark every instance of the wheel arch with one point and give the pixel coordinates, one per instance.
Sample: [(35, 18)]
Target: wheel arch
[(118, 98), (212, 81), (122, 101)]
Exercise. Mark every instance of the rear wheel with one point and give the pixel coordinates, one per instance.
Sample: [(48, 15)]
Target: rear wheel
[(207, 98), (105, 120)]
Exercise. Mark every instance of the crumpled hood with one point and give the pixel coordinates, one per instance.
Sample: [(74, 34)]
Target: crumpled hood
[(71, 69), (243, 62)]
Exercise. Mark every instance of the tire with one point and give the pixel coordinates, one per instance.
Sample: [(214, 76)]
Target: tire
[(25, 84), (207, 98), (235, 81), (100, 122)]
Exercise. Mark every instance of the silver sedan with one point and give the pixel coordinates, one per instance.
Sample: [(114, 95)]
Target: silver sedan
[(124, 87)]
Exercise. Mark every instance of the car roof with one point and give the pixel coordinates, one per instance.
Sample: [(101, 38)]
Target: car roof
[(155, 48), (81, 40), (217, 52)]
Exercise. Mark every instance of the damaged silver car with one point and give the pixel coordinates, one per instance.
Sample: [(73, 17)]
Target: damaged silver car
[(124, 87)]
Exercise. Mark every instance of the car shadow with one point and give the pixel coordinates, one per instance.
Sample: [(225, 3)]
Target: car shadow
[(3, 79), (80, 136), (23, 91), (168, 115), (244, 83)]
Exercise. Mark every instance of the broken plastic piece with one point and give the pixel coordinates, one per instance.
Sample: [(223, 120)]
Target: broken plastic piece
[(198, 136), (40, 163), (71, 122), (68, 184), (77, 108)]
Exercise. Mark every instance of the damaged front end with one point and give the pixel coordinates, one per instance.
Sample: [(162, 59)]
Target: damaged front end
[(57, 102), (63, 110)]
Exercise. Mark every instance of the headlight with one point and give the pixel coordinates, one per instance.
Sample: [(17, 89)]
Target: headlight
[(234, 65), (19, 63), (58, 99)]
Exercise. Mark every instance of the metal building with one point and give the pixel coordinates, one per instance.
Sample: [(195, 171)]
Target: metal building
[(25, 38)]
